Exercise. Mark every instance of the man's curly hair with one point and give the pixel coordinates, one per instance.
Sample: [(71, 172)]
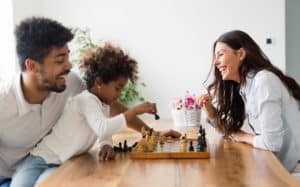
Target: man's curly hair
[(36, 36), (109, 63)]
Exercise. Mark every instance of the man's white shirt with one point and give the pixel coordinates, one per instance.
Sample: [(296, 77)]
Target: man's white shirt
[(23, 125)]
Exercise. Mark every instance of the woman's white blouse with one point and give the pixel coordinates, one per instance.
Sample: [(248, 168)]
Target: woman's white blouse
[(274, 115)]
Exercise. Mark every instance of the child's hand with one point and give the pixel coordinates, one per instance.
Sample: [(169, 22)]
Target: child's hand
[(146, 107), (106, 153), (205, 102)]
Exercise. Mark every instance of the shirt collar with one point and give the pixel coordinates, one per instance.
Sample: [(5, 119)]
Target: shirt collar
[(23, 106), (104, 106), (245, 88)]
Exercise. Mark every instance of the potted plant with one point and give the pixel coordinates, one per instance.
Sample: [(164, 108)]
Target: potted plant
[(80, 44)]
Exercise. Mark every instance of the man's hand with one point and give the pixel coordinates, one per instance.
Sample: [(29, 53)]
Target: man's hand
[(106, 153), (171, 132)]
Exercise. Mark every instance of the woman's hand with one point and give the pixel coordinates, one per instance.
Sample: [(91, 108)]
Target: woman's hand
[(242, 137), (204, 101), (106, 153)]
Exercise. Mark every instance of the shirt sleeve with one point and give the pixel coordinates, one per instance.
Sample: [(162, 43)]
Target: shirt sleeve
[(101, 124), (269, 113), (75, 84)]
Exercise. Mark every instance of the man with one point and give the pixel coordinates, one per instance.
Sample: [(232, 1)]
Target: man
[(32, 103)]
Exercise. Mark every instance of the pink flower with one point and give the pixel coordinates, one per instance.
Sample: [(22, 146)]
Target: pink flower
[(188, 102), (177, 103)]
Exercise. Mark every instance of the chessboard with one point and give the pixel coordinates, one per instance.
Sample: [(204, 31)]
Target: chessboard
[(171, 149), (151, 146)]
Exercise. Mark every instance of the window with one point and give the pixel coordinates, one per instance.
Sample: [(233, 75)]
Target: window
[(7, 46)]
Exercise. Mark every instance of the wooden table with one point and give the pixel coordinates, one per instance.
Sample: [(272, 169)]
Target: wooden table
[(231, 164)]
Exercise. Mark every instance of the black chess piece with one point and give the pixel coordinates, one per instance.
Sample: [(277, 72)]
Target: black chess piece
[(191, 147), (203, 136), (116, 149), (120, 146), (200, 145), (134, 145), (125, 147), (129, 149), (200, 129), (157, 117)]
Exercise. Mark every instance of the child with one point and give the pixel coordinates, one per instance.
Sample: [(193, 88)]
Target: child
[(86, 116)]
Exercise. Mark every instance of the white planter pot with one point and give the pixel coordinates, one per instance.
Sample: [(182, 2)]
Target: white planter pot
[(186, 117)]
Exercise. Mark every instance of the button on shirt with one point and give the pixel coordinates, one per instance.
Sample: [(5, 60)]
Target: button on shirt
[(274, 115), (84, 119), (23, 125)]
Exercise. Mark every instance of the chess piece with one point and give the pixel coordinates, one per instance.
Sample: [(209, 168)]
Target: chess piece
[(116, 149), (183, 147), (161, 140), (157, 117), (200, 129), (151, 131), (143, 131), (191, 147), (125, 147), (200, 147), (134, 145), (203, 135)]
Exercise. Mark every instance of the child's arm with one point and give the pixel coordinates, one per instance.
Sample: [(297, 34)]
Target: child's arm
[(146, 107), (136, 123)]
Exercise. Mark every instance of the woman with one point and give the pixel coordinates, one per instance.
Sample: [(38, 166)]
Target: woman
[(246, 84)]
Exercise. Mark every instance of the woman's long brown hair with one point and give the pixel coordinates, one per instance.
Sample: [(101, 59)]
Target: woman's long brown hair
[(230, 108)]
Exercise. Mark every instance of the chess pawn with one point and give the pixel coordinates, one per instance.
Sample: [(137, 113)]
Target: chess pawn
[(191, 147), (183, 146)]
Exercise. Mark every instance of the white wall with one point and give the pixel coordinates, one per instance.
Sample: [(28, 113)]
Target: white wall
[(7, 47), (23, 9), (172, 39)]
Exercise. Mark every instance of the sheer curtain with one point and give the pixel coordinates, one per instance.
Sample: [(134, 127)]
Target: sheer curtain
[(7, 46)]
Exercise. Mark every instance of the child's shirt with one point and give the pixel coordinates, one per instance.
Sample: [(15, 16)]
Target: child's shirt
[(85, 118)]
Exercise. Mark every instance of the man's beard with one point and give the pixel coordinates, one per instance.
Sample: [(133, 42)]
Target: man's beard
[(52, 87)]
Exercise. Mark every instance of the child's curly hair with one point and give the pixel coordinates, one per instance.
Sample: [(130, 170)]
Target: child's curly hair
[(108, 63)]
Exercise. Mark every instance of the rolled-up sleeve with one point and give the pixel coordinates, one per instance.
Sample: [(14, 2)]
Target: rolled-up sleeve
[(268, 101)]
